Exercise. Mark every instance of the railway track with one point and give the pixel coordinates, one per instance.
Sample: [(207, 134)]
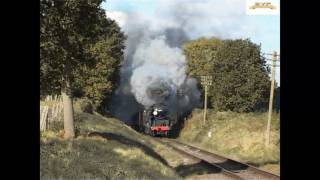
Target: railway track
[(228, 167)]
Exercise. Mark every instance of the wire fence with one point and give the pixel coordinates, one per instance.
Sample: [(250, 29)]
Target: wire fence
[(51, 109)]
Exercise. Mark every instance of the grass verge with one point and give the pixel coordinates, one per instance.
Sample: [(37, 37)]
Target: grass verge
[(105, 148), (239, 136)]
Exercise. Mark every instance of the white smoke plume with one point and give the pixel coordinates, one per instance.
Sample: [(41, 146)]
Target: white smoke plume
[(154, 69)]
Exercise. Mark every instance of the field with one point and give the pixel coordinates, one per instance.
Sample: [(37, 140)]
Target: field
[(239, 136)]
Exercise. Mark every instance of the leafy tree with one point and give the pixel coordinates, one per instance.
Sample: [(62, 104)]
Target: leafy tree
[(70, 34), (240, 74), (97, 80), (201, 55)]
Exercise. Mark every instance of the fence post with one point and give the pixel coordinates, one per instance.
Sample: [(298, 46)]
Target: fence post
[(48, 118), (60, 109), (43, 117), (55, 107), (41, 109)]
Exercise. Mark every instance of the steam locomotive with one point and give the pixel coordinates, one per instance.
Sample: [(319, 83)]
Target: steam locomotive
[(156, 120), (160, 119)]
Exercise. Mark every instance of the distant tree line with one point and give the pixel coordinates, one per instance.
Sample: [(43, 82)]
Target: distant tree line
[(240, 74)]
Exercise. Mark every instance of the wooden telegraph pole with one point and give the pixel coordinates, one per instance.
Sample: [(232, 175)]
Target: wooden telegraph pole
[(274, 59), (205, 81)]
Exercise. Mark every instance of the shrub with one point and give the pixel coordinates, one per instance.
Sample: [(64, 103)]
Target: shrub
[(86, 106)]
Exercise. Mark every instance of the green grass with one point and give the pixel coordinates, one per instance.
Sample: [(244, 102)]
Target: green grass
[(105, 148), (239, 136), (110, 151)]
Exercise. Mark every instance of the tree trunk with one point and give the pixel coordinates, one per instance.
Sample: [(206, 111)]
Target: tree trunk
[(68, 116), (67, 105)]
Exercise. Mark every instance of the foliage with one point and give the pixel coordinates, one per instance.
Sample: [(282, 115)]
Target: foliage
[(201, 55), (79, 33), (240, 75), (98, 81), (86, 106)]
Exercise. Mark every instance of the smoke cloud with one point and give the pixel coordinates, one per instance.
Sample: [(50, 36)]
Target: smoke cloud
[(158, 71), (154, 69)]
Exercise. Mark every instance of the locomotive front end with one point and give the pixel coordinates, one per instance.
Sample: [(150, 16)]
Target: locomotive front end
[(160, 123)]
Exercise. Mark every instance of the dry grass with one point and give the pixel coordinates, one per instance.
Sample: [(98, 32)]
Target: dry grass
[(104, 149), (239, 136)]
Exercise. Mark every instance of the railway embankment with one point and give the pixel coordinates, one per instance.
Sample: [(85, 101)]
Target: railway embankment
[(239, 136)]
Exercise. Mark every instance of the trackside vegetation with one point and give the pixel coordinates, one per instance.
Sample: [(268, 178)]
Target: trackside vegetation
[(239, 136)]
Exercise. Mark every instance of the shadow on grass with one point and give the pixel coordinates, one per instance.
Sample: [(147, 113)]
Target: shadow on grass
[(196, 169), (124, 140), (264, 163), (232, 166), (203, 167)]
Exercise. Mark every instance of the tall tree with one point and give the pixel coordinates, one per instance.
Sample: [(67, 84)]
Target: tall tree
[(201, 55), (240, 75), (97, 80), (68, 31)]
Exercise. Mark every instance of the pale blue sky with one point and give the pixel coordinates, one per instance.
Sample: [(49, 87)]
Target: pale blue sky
[(227, 17)]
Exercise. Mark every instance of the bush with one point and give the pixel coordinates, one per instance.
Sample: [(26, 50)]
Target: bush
[(86, 106)]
